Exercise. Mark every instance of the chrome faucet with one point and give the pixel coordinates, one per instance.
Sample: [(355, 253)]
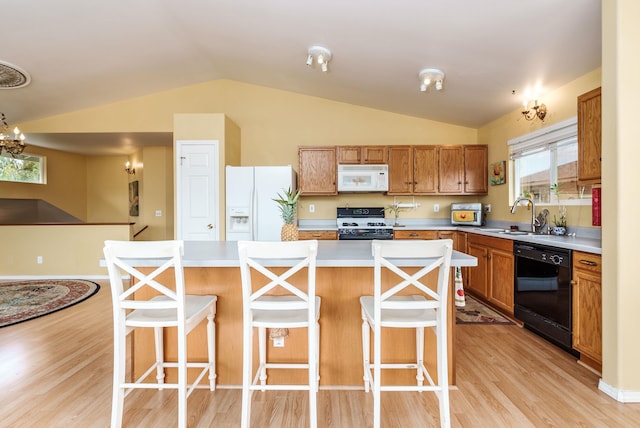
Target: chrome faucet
[(534, 220)]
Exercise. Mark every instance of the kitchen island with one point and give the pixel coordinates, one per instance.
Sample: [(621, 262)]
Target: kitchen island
[(344, 273)]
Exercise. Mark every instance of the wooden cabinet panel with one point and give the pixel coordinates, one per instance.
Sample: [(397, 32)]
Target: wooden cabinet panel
[(500, 285), (425, 170), (400, 170), (362, 154), (477, 277), (493, 278), (476, 170), (349, 154), (587, 308), (589, 137), (415, 234), (451, 169), (463, 170), (374, 154), (321, 235), (317, 171)]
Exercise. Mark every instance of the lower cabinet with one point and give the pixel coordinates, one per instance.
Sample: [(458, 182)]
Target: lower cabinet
[(587, 308), (492, 280), (326, 235)]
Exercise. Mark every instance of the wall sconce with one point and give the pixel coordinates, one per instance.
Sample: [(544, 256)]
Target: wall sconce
[(430, 76), (128, 169), (530, 113), (319, 55)]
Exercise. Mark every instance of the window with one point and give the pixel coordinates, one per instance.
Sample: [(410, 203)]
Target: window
[(22, 168), (545, 158)]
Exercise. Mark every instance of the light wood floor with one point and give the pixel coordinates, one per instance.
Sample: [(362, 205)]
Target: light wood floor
[(55, 371)]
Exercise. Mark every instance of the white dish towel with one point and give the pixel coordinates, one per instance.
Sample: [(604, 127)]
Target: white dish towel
[(459, 290)]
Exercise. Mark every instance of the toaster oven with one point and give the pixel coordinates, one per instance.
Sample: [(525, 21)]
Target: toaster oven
[(467, 214)]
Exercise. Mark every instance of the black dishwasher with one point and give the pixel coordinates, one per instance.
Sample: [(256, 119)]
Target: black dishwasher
[(542, 293)]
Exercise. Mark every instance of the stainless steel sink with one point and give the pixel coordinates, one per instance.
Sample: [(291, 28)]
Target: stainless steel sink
[(491, 230)]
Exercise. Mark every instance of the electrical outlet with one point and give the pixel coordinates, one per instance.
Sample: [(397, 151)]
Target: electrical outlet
[(39, 260), (158, 213), (436, 208), (278, 342), (312, 208), (487, 208)]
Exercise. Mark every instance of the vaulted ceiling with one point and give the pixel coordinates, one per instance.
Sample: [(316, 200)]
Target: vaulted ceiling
[(81, 54)]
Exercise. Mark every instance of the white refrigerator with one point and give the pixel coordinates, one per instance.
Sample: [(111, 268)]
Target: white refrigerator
[(251, 213)]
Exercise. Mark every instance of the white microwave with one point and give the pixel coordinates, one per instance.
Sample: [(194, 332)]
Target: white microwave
[(363, 178)]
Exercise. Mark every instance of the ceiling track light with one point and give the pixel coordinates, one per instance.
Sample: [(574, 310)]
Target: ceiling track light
[(429, 77), (319, 55)]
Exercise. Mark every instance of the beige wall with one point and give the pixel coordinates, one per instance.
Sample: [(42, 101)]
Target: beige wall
[(107, 199), (561, 105), (620, 154), (73, 250), (66, 186)]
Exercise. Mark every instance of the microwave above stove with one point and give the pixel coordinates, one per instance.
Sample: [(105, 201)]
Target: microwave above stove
[(363, 178), (467, 214)]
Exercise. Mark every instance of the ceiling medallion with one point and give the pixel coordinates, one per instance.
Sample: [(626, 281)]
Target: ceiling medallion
[(12, 77)]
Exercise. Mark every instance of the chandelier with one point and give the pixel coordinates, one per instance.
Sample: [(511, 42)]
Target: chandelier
[(12, 144), (530, 112)]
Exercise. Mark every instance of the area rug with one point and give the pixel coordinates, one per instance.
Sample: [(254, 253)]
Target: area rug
[(475, 312), (22, 301)]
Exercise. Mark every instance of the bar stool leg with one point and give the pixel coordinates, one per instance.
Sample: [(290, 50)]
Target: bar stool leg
[(211, 351), (262, 346), (420, 354), (366, 351), (159, 342)]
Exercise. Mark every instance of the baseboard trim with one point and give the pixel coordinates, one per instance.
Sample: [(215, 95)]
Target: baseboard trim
[(618, 394)]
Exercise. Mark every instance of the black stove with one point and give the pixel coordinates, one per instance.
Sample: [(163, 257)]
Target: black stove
[(362, 223)]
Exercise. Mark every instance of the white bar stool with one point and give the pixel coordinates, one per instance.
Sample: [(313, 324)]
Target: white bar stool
[(295, 309), (392, 308), (168, 308)]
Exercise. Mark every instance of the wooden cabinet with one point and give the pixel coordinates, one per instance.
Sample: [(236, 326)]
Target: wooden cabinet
[(463, 170), (317, 171), (413, 170), (587, 308), (492, 280), (415, 234), (321, 235), (589, 137), (362, 154)]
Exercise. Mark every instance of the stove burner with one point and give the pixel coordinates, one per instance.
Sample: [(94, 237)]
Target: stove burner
[(379, 223), (350, 224)]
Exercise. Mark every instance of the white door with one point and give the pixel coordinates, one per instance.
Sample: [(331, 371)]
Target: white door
[(198, 190)]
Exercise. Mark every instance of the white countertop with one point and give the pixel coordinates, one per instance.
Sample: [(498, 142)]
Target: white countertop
[(330, 254), (587, 244)]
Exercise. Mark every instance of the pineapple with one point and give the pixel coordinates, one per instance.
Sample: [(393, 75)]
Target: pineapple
[(288, 204)]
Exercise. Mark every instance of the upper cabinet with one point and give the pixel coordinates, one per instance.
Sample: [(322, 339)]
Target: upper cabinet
[(317, 170), (589, 137), (463, 170), (413, 170), (362, 154)]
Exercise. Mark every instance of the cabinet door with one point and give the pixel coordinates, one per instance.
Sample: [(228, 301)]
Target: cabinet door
[(477, 276), (374, 154), (501, 281), (321, 235), (476, 174), (449, 234), (587, 308), (589, 137), (349, 154), (317, 170), (451, 169), (400, 170), (425, 167)]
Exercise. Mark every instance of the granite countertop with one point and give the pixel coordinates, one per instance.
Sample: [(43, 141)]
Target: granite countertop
[(330, 254)]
